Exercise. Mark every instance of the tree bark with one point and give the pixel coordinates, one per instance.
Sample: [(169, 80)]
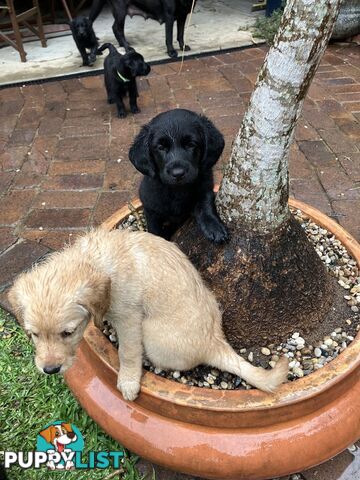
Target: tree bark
[(254, 190), (268, 278)]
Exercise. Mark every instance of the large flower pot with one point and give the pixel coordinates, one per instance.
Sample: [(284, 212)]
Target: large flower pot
[(226, 434)]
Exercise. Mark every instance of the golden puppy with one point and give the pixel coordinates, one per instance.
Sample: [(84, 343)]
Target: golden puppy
[(151, 294)]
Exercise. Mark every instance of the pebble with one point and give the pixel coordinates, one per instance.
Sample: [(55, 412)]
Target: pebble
[(237, 382), (176, 374), (317, 352), (265, 351), (298, 372), (251, 357), (224, 385), (307, 365), (307, 351)]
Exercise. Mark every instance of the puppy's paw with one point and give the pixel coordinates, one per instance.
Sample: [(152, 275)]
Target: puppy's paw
[(92, 60), (172, 53), (135, 109), (187, 48), (121, 114), (129, 389), (216, 232)]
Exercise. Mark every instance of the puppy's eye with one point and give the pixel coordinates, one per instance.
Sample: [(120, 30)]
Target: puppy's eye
[(36, 335), (162, 147), (190, 145), (66, 333)]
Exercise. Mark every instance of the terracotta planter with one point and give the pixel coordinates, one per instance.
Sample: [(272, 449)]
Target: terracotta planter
[(226, 434)]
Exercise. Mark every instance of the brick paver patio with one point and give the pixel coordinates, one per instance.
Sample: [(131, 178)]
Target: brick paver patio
[(63, 151)]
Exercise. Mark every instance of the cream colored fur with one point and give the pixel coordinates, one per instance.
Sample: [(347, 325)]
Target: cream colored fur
[(151, 294)]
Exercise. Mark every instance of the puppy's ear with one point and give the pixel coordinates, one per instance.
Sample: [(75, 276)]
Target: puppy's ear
[(94, 296), (214, 143), (48, 434), (67, 427), (139, 153), (15, 297)]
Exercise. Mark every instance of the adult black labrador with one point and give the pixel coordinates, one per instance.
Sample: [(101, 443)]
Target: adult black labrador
[(164, 11), (176, 152), (84, 38), (120, 72)]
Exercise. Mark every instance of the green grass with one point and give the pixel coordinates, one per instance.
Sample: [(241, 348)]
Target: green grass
[(30, 400)]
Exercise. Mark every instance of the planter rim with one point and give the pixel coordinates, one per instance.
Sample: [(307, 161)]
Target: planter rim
[(288, 394)]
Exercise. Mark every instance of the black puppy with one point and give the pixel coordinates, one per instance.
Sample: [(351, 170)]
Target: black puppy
[(176, 152), (164, 11), (85, 38), (120, 72)]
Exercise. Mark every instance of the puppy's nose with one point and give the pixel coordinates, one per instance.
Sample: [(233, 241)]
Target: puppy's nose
[(71, 434), (178, 172), (52, 369)]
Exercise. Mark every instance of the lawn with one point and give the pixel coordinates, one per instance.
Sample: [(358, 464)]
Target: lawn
[(29, 400)]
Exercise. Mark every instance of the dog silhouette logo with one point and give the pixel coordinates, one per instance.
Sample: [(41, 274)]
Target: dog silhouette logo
[(61, 441)]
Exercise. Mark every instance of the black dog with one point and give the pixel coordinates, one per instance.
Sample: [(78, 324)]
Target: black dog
[(120, 72), (85, 38), (161, 10), (176, 152)]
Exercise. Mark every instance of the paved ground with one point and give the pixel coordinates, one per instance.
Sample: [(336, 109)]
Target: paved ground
[(64, 166)]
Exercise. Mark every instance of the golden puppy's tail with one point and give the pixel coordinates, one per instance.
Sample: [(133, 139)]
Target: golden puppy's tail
[(223, 357)]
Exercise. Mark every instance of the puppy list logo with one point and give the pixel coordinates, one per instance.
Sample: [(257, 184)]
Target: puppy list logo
[(60, 446)]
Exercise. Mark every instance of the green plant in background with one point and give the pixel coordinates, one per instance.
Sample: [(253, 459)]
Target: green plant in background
[(29, 400), (267, 27)]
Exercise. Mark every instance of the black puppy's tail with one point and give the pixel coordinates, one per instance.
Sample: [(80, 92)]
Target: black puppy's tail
[(110, 46)]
